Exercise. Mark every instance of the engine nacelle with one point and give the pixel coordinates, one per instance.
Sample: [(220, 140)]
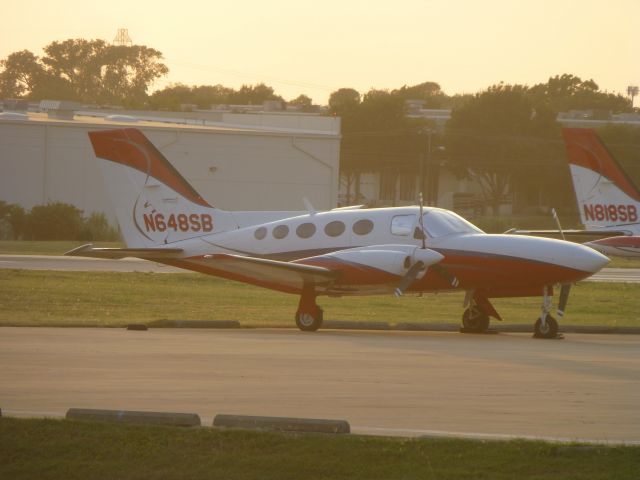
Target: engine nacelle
[(394, 259)]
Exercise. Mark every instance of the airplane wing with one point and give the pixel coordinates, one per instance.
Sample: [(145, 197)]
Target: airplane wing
[(282, 276), (89, 250), (580, 233)]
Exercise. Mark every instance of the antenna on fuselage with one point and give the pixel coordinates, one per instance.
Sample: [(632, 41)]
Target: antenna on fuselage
[(555, 217)]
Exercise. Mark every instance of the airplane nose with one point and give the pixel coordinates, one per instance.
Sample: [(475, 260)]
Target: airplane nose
[(591, 260)]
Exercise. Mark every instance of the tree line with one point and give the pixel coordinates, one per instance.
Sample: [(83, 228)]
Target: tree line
[(53, 221), (502, 136)]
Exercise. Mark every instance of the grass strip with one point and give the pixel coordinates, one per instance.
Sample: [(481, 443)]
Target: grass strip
[(52, 449), (109, 299)]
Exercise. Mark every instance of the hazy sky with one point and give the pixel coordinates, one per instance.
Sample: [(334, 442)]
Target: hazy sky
[(315, 47)]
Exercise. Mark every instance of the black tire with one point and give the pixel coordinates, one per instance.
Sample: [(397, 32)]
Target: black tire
[(475, 320), (307, 322), (550, 329)]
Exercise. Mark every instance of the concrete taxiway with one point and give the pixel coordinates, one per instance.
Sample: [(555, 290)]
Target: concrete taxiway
[(386, 383), (79, 264)]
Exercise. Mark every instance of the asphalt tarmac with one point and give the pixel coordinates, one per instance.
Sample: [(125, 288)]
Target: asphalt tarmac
[(60, 263), (585, 387)]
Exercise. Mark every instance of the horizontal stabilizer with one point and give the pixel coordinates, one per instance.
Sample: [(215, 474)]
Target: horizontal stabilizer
[(89, 250)]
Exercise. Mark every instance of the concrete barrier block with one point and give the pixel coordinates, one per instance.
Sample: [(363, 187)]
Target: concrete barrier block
[(128, 416), (350, 325), (196, 324), (137, 326), (282, 424)]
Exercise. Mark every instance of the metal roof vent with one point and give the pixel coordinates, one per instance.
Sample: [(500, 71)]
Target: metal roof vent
[(59, 109), (14, 116), (121, 118)]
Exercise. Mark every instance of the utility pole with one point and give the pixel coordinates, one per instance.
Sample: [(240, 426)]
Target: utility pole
[(632, 91), (422, 167)]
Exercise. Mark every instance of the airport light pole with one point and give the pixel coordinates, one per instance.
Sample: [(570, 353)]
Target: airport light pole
[(431, 195), (632, 91)]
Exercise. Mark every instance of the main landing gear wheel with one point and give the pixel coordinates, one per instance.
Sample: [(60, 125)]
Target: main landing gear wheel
[(309, 322), (475, 320), (547, 330)]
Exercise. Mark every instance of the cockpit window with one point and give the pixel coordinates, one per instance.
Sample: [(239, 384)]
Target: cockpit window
[(402, 224), (439, 223)]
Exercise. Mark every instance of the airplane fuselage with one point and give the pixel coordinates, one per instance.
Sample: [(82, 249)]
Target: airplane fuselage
[(500, 265)]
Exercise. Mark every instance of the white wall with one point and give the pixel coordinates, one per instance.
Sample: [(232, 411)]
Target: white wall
[(47, 161)]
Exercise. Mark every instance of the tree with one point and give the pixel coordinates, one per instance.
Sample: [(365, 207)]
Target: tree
[(22, 72), (430, 92), (253, 95), (78, 63), (304, 102), (567, 92), (127, 72), (344, 102), (12, 216), (54, 221), (84, 70), (498, 134)]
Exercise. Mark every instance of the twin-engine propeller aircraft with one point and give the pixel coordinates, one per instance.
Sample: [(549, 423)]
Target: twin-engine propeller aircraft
[(608, 200), (339, 252)]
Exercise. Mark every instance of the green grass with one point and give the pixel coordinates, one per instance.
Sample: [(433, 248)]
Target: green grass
[(53, 449), (47, 298)]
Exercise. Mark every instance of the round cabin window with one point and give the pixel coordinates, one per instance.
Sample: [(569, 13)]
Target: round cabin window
[(280, 231), (362, 227), (260, 233), (334, 229), (306, 230)]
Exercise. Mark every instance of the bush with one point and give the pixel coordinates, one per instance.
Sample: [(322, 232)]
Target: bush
[(54, 221), (96, 227), (12, 221)]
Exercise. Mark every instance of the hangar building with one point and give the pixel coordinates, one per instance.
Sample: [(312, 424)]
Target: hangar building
[(237, 162)]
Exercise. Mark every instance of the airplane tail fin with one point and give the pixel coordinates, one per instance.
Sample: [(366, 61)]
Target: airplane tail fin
[(606, 195), (154, 204)]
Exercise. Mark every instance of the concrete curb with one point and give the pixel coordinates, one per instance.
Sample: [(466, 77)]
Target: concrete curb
[(195, 324), (308, 425), (517, 328), (354, 325), (124, 416)]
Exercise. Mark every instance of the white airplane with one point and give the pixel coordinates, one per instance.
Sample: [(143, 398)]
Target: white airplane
[(608, 200), (340, 252)]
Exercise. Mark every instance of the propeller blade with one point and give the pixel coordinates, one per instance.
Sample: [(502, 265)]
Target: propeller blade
[(564, 297), (446, 274), (409, 278)]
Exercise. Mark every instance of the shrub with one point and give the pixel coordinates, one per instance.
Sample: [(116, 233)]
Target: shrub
[(96, 227), (12, 221), (54, 221)]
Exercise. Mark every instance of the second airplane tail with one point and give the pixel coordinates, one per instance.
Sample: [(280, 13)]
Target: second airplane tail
[(606, 195)]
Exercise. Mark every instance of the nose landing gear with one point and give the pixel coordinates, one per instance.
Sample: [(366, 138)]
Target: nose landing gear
[(546, 326)]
